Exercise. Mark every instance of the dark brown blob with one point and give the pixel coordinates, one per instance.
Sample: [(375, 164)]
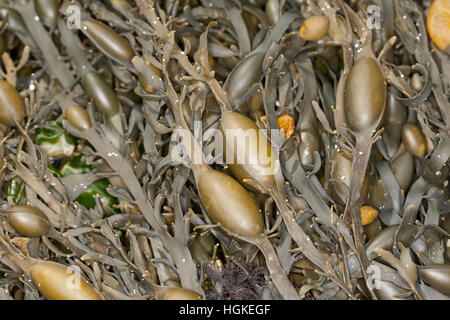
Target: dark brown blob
[(417, 82), (3, 44), (251, 21), (262, 168), (228, 203), (12, 107), (144, 83), (309, 142), (373, 228), (108, 41), (341, 170), (396, 116), (255, 3), (255, 105), (296, 202), (379, 197), (104, 97), (437, 276), (431, 237), (403, 168), (273, 11), (246, 73), (365, 97), (28, 221), (229, 62), (47, 10), (414, 140), (202, 249), (18, 294), (78, 117)]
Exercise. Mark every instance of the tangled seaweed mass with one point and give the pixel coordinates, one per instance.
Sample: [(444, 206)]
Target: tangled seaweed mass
[(216, 149)]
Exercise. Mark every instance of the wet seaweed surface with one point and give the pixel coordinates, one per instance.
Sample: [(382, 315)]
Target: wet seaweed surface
[(118, 180)]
